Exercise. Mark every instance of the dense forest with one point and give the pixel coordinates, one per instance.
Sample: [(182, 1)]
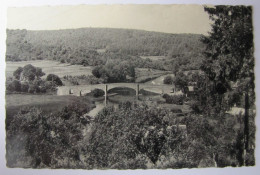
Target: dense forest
[(94, 46)]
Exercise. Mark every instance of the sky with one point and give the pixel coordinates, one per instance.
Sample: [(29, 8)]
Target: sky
[(160, 18)]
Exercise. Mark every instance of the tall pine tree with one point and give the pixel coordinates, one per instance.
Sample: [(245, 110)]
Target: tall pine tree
[(229, 54)]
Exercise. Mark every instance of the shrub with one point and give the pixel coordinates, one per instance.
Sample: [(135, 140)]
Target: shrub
[(17, 73), (55, 79), (168, 80), (144, 135), (33, 88), (74, 81), (24, 86), (125, 105), (174, 99), (49, 86), (62, 60), (195, 106), (15, 85), (93, 80), (51, 134), (96, 72), (42, 89), (29, 72)]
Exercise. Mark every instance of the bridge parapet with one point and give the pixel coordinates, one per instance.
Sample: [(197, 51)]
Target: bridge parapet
[(83, 89)]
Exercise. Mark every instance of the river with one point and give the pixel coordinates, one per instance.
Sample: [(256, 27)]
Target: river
[(122, 94)]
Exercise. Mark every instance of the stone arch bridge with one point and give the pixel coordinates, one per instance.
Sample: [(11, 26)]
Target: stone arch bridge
[(84, 89)]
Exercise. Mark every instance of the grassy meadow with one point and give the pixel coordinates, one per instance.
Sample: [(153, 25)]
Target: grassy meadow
[(143, 74), (49, 66)]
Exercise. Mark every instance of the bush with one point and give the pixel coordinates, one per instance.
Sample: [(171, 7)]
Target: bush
[(17, 73), (195, 106), (74, 81), (125, 105), (55, 79), (39, 140), (29, 72), (50, 86), (168, 80), (97, 92), (62, 60), (42, 89), (174, 99), (24, 86), (96, 72), (93, 80), (33, 88), (15, 85)]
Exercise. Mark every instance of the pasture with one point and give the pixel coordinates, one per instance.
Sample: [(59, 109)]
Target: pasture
[(144, 74), (159, 80), (50, 67)]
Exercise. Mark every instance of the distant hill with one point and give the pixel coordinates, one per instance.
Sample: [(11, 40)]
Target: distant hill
[(94, 46)]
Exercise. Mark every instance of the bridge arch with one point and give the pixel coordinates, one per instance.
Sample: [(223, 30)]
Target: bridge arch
[(122, 89), (133, 86)]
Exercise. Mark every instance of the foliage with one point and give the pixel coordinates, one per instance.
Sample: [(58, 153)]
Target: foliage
[(17, 73), (33, 88), (66, 45), (168, 80), (131, 137), (230, 23), (126, 136), (47, 140), (28, 73), (229, 58), (196, 107), (134, 131), (115, 71), (14, 85), (39, 73), (55, 79), (27, 79), (174, 99), (83, 79), (181, 80), (24, 86), (117, 44), (229, 51)]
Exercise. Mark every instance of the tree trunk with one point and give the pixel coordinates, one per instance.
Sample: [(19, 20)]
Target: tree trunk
[(246, 121), (246, 126)]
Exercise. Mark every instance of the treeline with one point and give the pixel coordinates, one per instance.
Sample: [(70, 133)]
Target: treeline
[(28, 79), (94, 46)]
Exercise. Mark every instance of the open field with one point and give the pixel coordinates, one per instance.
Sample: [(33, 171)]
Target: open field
[(159, 80), (143, 74), (49, 66)]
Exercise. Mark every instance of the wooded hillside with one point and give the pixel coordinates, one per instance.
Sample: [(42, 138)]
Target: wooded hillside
[(66, 45)]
